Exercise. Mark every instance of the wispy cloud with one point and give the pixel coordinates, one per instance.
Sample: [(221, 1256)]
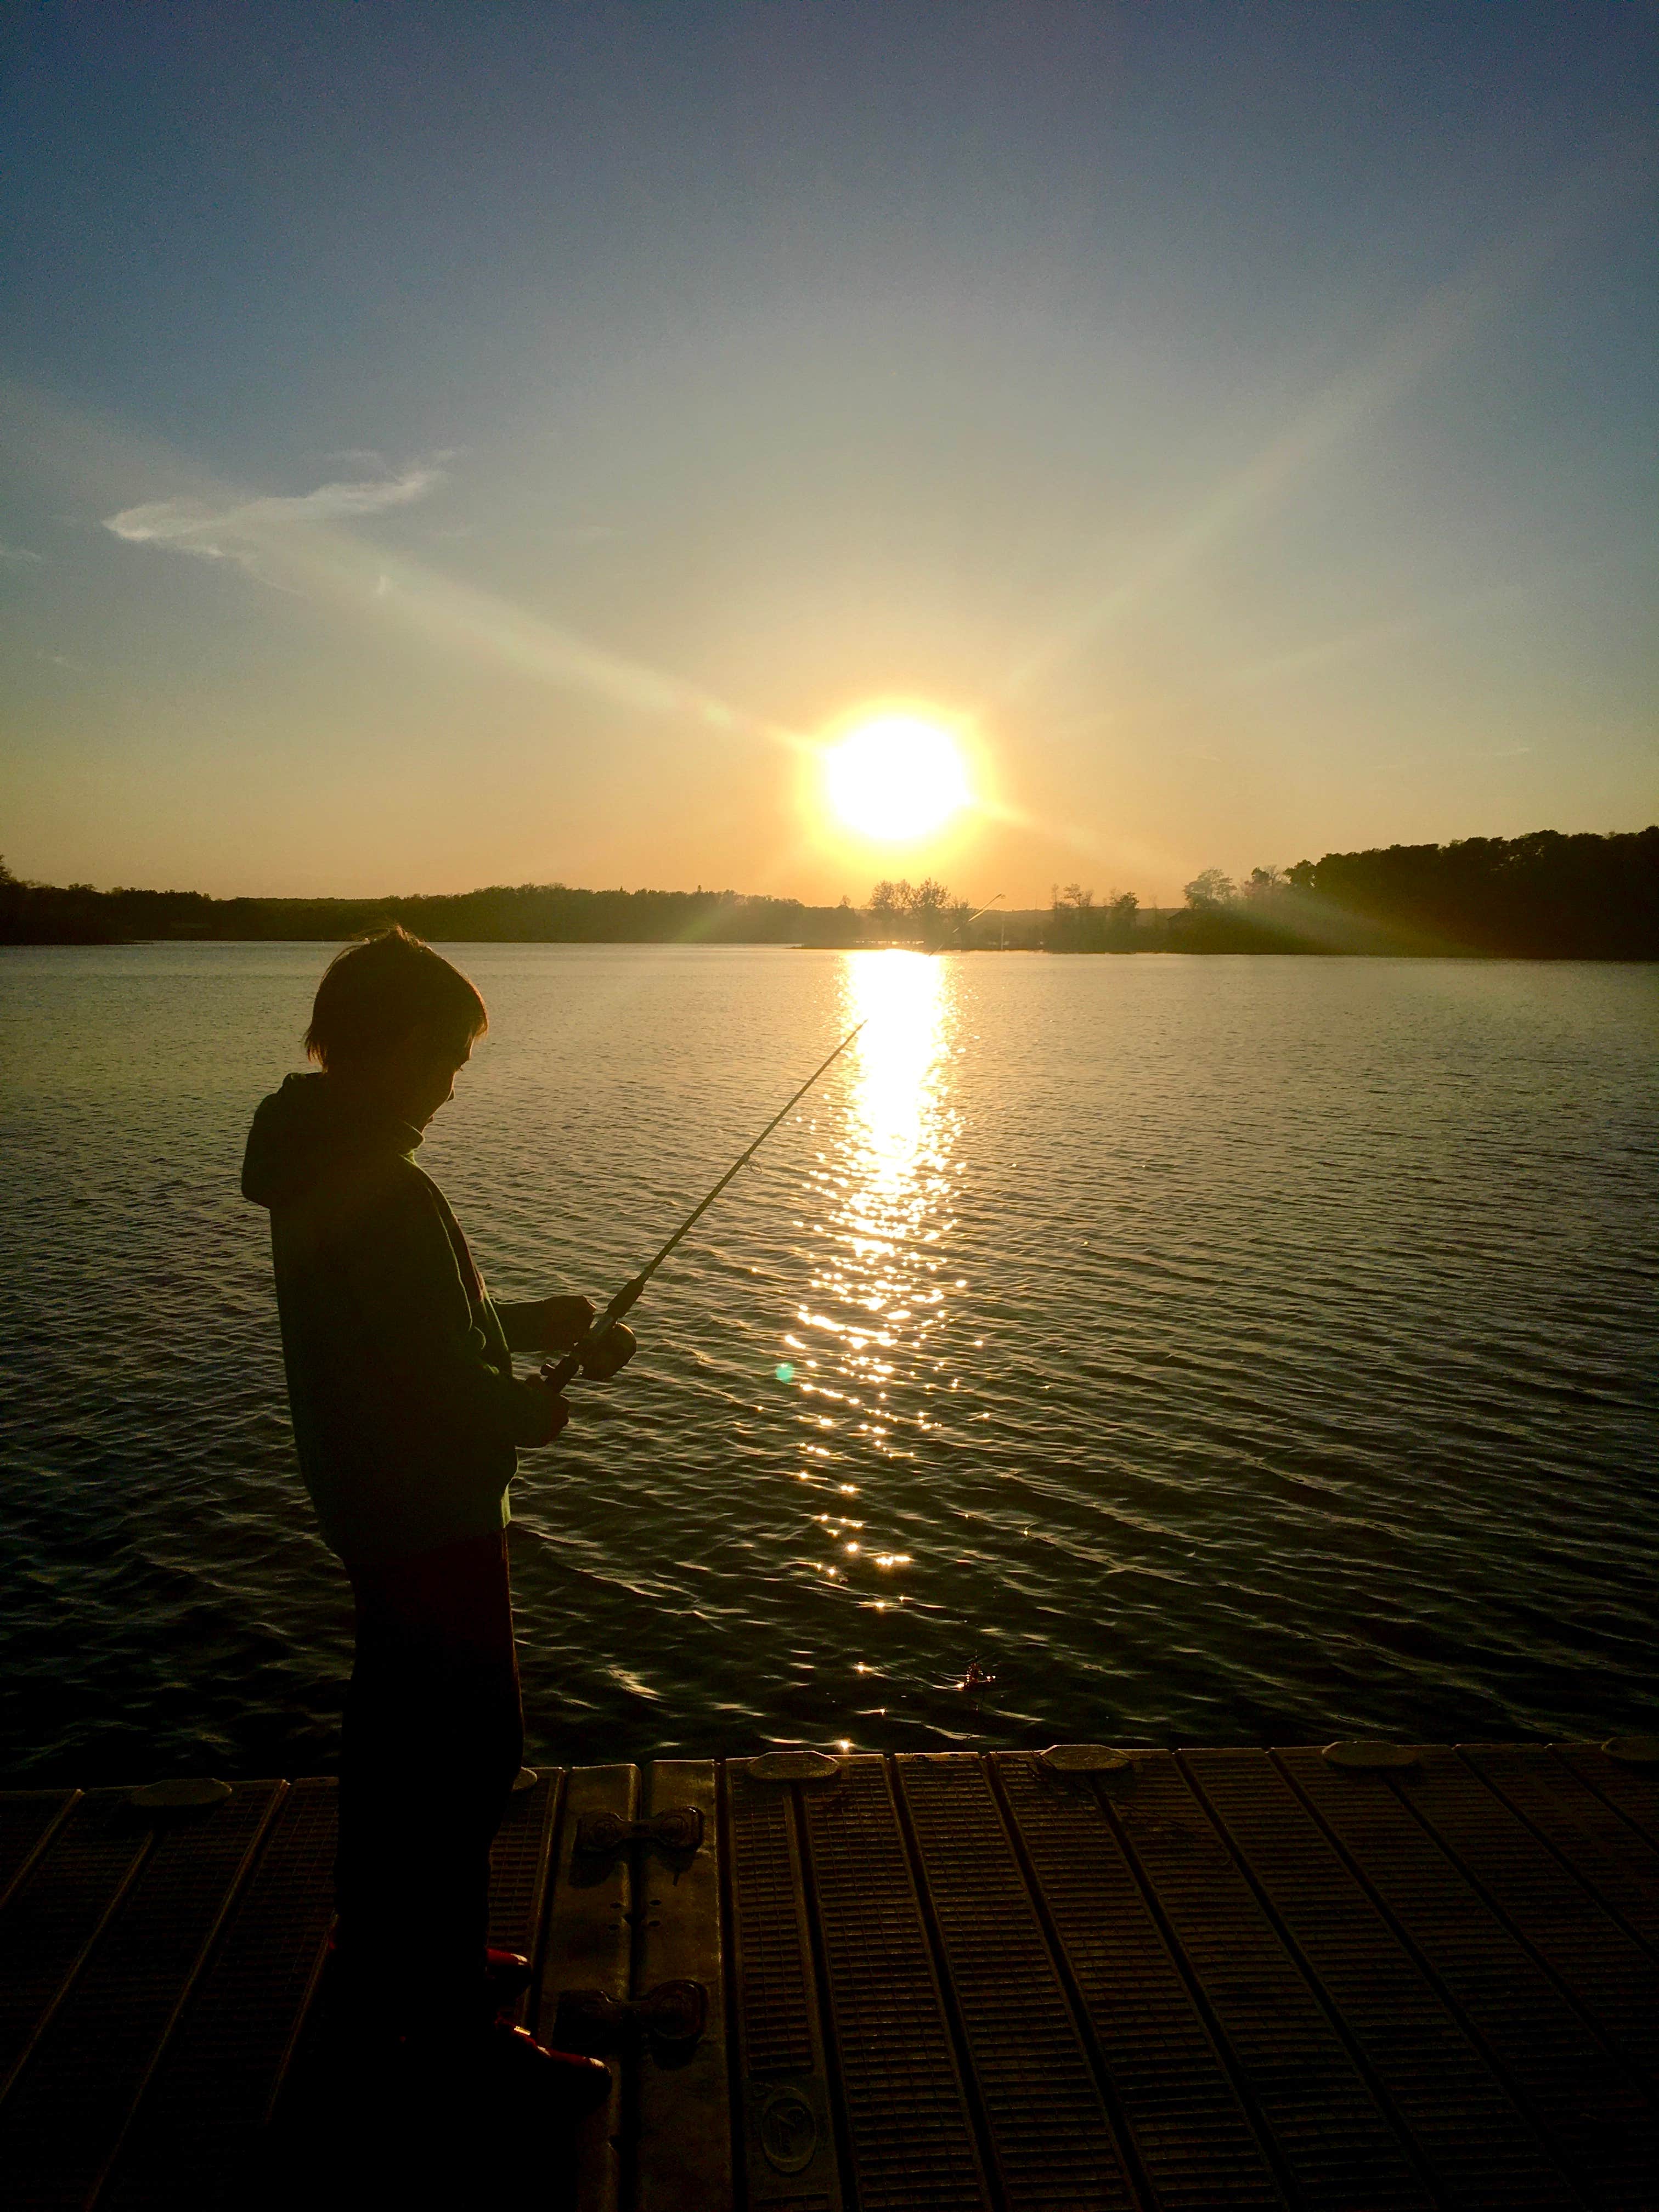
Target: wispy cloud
[(301, 544), (244, 530), (21, 553)]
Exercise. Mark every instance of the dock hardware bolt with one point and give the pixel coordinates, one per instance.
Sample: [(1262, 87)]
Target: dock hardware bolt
[(190, 1794), (1084, 1759), (1362, 1756), (794, 1766), (600, 1835), (673, 2013)]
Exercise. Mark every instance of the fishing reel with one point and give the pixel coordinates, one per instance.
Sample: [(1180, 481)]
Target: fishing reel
[(603, 1351), (608, 1350)]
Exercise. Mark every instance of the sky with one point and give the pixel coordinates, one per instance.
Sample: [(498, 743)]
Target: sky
[(445, 445)]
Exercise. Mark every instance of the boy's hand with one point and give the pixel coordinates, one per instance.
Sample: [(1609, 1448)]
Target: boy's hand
[(560, 1322), (557, 1411)]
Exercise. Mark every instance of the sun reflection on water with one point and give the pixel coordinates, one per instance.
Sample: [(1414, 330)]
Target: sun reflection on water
[(897, 1177), (864, 1359)]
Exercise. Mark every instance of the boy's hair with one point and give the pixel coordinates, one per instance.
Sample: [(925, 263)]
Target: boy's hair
[(377, 992)]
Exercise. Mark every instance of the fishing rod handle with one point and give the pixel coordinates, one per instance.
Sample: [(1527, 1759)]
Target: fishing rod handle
[(556, 1376)]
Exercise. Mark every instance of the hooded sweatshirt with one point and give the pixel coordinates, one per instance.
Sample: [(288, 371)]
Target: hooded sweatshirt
[(406, 1412)]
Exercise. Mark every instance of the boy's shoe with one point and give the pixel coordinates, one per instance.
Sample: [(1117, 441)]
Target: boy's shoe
[(563, 2083), (504, 2067), (508, 1973)]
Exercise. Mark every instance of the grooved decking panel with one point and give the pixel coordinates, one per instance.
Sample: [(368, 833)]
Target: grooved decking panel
[(1340, 2150), (774, 1989), (55, 1912), (517, 1869), (195, 2138), (1466, 2128), (1602, 1849), (911, 2138), (788, 2132), (1049, 2135), (64, 2119), (1193, 2138), (1632, 1791), (1608, 1975), (27, 1818), (1595, 2119)]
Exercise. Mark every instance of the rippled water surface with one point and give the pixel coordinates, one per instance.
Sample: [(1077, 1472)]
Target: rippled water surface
[(1216, 1350)]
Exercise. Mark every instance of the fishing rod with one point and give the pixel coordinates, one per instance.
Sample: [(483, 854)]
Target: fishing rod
[(605, 1348)]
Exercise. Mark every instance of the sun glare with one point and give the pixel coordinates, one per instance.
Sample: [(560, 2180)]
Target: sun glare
[(896, 776)]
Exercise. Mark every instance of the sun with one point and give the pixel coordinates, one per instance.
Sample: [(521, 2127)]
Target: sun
[(897, 777)]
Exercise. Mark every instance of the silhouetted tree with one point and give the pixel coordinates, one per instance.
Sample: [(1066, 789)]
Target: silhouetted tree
[(927, 907), (1207, 891), (1263, 883), (1076, 924)]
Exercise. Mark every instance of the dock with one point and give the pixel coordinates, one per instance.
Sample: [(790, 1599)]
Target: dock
[(1350, 1976)]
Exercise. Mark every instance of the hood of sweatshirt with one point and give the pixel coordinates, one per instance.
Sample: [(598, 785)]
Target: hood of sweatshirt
[(314, 1128)]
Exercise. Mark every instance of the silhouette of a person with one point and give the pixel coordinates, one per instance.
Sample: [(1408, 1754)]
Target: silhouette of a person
[(408, 1420)]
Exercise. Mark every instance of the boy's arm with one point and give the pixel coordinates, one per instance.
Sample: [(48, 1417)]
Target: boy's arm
[(414, 1306)]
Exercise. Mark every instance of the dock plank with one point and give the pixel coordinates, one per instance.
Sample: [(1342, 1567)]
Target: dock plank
[(1597, 2123), (683, 2158), (589, 1944), (55, 1913), (1338, 2145), (1632, 1791), (910, 2131), (945, 1983), (1601, 1848), (195, 2140), (64, 2119), (788, 2150), (1191, 2134), (1050, 2137), (1468, 2130), (1607, 1974), (519, 1870), (28, 1818)]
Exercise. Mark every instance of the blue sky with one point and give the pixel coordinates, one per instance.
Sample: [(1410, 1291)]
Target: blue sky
[(451, 444)]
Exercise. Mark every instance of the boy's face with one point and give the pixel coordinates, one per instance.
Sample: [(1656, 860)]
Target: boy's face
[(419, 1077)]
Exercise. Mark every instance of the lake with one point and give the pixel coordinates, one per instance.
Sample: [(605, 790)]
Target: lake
[(1217, 1350)]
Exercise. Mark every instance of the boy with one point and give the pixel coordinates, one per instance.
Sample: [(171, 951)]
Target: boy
[(407, 1418)]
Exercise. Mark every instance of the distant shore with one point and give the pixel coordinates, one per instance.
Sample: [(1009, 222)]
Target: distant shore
[(1542, 897)]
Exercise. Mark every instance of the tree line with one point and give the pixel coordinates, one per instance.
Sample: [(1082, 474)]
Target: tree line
[(1538, 897), (1542, 897), (525, 914)]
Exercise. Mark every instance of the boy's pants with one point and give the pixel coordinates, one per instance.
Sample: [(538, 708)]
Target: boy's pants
[(433, 1736)]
